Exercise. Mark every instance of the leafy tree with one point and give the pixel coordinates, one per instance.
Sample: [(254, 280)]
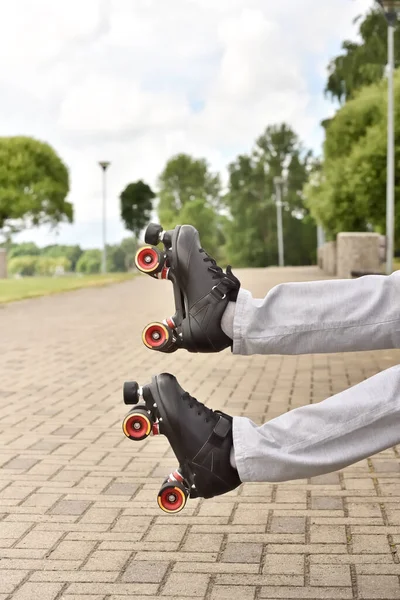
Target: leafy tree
[(361, 63), (22, 265), (136, 206), (252, 231), (89, 262), (190, 193), (349, 191), (72, 253), (47, 265), (116, 259), (183, 180), (129, 246), (34, 183), (24, 249)]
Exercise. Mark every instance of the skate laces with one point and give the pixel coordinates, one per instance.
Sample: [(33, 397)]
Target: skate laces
[(201, 408), (231, 282)]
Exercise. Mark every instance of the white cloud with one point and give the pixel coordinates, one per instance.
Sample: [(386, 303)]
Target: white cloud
[(135, 82)]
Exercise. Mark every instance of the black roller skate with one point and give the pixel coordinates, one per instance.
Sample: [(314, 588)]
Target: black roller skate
[(201, 291), (200, 438)]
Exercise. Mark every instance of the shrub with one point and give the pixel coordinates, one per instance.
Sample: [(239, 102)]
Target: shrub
[(89, 262), (22, 265)]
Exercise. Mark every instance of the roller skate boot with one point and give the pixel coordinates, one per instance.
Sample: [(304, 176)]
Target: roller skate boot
[(200, 438), (202, 291)]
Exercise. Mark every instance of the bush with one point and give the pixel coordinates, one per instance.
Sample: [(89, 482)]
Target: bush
[(22, 265), (89, 262), (46, 265), (37, 265)]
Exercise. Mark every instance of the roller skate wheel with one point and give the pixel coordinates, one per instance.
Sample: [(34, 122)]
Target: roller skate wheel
[(172, 497), (153, 233), (148, 260), (131, 392), (156, 336), (137, 425)]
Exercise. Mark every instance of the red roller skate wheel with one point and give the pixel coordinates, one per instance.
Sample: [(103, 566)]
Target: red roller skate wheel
[(137, 425), (172, 498), (155, 335), (147, 259)]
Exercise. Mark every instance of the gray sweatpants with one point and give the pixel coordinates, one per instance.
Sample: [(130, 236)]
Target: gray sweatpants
[(315, 317)]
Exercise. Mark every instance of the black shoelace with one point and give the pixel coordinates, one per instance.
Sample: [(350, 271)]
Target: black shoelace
[(201, 408), (231, 281)]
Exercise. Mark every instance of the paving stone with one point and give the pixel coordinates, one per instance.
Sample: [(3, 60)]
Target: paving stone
[(40, 539), (326, 503), (227, 592), (287, 525), (22, 463), (320, 534), (194, 586), (377, 586), (330, 575), (9, 580), (328, 479), (199, 542), (79, 550), (44, 591), (286, 565), (103, 560), (144, 571), (242, 553), (121, 489), (70, 507)]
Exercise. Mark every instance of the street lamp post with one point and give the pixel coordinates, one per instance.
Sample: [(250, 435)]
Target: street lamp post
[(391, 9), (104, 165), (278, 181)]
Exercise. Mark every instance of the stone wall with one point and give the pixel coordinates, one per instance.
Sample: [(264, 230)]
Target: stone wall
[(3, 263), (358, 252)]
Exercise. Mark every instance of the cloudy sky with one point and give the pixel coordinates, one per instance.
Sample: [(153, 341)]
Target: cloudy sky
[(136, 81)]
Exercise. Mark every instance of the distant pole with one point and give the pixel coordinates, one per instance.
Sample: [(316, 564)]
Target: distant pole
[(320, 236), (104, 165), (390, 155), (278, 181), (391, 9)]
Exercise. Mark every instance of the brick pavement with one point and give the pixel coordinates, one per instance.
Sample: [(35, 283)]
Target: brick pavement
[(78, 512)]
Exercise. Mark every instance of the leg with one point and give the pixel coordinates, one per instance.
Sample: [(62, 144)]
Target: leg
[(318, 316), (321, 438)]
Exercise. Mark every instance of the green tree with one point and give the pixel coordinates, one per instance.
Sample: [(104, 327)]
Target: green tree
[(22, 265), (72, 253), (89, 262), (348, 192), (183, 180), (190, 193), (24, 249), (361, 63), (34, 184), (116, 259), (129, 246), (48, 265), (136, 206), (251, 231)]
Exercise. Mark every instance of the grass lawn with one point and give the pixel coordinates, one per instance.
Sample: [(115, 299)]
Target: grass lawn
[(31, 287)]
